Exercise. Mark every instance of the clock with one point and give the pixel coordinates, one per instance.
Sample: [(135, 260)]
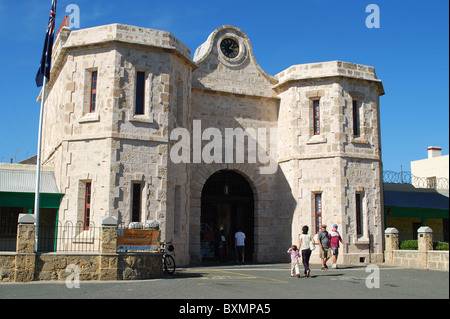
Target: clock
[(229, 48)]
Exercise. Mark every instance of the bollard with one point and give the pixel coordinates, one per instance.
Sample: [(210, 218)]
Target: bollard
[(26, 233), (391, 243), (391, 238), (425, 238), (25, 256), (108, 249)]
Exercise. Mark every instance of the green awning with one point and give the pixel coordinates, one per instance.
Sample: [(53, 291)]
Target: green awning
[(12, 199), (423, 213), (17, 187)]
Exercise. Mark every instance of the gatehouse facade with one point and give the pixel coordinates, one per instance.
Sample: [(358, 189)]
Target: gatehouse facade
[(137, 129)]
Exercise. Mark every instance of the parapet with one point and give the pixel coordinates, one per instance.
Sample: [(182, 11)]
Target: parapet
[(125, 34), (329, 69)]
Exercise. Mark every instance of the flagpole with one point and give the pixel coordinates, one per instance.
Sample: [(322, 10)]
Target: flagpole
[(43, 68), (38, 167)]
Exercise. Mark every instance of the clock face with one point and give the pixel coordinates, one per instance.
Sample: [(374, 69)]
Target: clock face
[(230, 48)]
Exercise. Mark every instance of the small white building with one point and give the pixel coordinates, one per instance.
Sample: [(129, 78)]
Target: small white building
[(431, 172)]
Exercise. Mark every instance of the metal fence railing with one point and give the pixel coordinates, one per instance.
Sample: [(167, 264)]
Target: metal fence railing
[(68, 237), (8, 235)]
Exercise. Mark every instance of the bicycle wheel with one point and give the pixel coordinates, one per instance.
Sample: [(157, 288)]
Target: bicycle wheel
[(169, 264)]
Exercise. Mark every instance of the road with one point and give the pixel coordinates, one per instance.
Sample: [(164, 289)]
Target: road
[(252, 282)]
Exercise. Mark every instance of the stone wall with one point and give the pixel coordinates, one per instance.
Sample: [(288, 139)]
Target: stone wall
[(107, 265), (7, 267), (424, 258)]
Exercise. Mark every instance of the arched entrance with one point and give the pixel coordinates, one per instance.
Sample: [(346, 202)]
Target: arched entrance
[(227, 204)]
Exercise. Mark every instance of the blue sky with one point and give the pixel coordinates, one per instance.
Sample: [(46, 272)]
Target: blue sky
[(410, 53)]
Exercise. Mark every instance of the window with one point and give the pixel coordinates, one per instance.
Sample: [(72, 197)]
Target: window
[(431, 182), (318, 211), (356, 121), (140, 93), (136, 203), (358, 201), (87, 206), (316, 117), (93, 104), (177, 214), (180, 104)]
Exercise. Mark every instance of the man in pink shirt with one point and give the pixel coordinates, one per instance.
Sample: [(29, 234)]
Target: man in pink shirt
[(335, 238)]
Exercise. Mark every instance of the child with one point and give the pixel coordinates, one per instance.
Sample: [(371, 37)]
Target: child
[(295, 255)]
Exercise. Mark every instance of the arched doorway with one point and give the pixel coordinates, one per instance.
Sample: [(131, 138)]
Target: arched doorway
[(227, 204)]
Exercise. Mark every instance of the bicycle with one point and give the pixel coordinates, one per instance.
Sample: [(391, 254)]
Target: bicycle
[(168, 260)]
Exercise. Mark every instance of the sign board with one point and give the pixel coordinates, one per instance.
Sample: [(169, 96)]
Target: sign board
[(138, 239)]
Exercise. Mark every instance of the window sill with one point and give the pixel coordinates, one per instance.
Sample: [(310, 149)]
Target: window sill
[(363, 240), (317, 139), (89, 117), (141, 119), (360, 140)]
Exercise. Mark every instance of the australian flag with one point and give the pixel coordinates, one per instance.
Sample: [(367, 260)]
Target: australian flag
[(44, 68)]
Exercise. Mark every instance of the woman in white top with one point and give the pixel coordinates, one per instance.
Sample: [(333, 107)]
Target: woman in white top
[(304, 245)]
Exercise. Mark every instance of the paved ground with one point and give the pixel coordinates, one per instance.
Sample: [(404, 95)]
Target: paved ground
[(254, 282)]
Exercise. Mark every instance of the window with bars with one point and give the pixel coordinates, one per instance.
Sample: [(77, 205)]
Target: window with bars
[(140, 94), (431, 182), (177, 215), (356, 120), (136, 203), (316, 116), (318, 211), (358, 208), (93, 103), (180, 104), (87, 206)]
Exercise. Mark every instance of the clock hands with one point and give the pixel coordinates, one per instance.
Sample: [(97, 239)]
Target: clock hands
[(230, 48)]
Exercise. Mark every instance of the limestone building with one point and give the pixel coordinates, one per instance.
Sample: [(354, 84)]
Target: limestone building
[(432, 172), (135, 128)]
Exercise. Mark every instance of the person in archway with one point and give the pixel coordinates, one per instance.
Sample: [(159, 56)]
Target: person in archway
[(222, 244), (239, 244)]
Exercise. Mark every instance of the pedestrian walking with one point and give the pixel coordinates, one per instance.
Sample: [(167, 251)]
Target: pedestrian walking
[(335, 239), (305, 244), (239, 244), (325, 248), (295, 255), (222, 244)]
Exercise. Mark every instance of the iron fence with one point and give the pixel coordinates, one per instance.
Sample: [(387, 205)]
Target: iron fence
[(68, 237), (8, 234)]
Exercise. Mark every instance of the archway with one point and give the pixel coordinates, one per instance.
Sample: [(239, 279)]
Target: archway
[(227, 204)]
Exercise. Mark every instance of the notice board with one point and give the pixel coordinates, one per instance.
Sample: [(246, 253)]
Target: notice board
[(138, 239)]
